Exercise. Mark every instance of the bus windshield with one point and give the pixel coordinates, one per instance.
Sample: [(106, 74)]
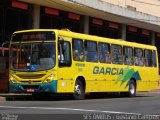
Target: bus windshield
[(32, 56)]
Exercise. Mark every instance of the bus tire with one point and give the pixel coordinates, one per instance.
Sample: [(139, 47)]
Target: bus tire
[(132, 89), (79, 92)]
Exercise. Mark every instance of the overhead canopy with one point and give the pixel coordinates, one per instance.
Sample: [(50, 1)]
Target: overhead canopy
[(104, 11)]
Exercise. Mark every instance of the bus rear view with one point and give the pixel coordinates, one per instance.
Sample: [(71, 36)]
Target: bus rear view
[(32, 62)]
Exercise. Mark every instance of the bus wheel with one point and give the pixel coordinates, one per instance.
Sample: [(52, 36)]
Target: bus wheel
[(79, 92), (132, 89)]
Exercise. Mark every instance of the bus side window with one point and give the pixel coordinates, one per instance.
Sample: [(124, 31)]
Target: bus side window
[(91, 51), (117, 56), (64, 51), (154, 58), (104, 53), (78, 50), (148, 58), (128, 55), (138, 57)]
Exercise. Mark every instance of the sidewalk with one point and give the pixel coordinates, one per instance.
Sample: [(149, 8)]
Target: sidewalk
[(150, 93), (10, 96)]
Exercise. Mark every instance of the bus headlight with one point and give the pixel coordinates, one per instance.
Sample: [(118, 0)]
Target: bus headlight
[(50, 78), (12, 79)]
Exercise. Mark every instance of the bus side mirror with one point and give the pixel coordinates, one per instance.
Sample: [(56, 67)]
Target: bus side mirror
[(2, 64), (3, 51)]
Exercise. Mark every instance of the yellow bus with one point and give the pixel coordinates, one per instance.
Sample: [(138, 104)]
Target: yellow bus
[(61, 61)]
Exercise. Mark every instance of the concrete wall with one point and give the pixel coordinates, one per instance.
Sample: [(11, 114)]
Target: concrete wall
[(146, 6)]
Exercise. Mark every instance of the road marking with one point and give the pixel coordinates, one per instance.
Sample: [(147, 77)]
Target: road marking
[(70, 109)]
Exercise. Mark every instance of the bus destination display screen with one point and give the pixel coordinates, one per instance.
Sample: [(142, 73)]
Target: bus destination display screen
[(33, 36)]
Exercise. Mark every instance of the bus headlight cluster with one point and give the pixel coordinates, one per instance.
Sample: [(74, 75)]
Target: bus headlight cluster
[(12, 79), (50, 78)]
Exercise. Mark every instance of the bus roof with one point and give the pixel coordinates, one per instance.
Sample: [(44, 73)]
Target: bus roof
[(67, 33)]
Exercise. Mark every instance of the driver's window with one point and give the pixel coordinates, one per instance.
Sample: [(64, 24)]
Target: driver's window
[(64, 53)]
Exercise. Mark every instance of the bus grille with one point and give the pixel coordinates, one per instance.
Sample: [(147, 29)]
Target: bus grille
[(30, 86), (33, 81), (30, 76)]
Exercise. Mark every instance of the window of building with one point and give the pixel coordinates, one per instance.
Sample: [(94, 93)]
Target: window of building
[(78, 50), (128, 55), (148, 58), (132, 34), (14, 15), (117, 57), (17, 17), (72, 21), (145, 37), (113, 30), (73, 25), (104, 28), (50, 18), (91, 51), (138, 57), (58, 19), (96, 27), (104, 53)]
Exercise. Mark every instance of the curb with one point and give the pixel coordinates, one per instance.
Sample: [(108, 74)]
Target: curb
[(153, 92), (12, 96)]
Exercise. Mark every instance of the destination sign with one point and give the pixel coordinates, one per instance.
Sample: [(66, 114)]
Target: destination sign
[(34, 36)]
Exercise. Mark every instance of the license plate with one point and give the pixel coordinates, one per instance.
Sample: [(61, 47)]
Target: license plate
[(30, 90)]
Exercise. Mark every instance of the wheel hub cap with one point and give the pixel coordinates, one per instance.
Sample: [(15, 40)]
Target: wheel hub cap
[(77, 90), (132, 89)]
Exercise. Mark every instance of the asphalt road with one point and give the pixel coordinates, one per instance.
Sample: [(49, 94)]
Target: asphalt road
[(97, 108)]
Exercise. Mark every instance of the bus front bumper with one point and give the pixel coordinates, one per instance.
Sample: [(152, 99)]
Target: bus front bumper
[(50, 87)]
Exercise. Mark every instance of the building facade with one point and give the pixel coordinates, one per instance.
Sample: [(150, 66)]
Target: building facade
[(118, 19), (151, 7)]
